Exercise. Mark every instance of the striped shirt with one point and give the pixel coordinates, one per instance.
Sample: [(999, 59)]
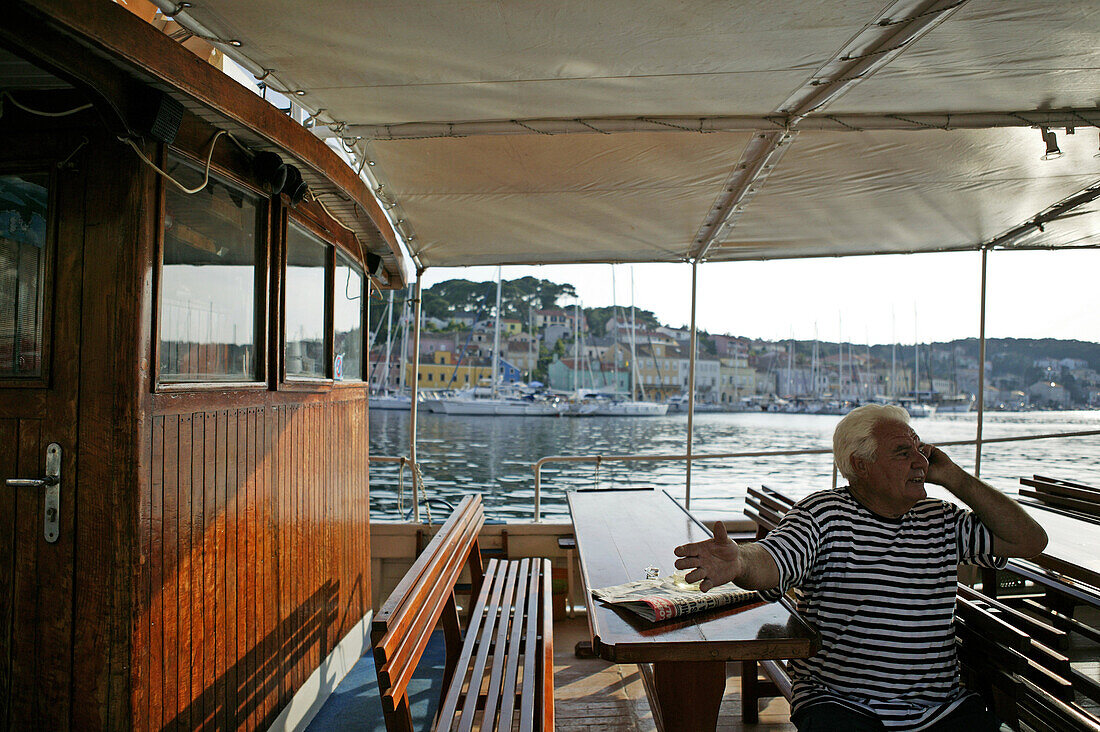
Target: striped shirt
[(881, 592)]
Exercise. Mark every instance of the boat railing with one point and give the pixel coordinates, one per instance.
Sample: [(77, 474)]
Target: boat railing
[(599, 459), (418, 481)]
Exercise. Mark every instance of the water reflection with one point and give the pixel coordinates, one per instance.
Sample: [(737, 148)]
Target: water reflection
[(495, 456)]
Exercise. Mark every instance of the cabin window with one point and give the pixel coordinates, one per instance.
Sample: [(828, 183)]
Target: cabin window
[(208, 314), (24, 202), (347, 316), (306, 264)]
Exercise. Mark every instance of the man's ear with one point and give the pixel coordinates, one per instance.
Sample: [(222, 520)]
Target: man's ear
[(860, 466)]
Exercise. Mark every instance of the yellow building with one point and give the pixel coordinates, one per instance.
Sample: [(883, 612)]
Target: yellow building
[(437, 371)]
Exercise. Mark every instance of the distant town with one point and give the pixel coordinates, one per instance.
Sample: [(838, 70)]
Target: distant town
[(617, 350)]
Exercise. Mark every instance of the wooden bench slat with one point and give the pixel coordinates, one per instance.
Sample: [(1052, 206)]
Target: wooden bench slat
[(1089, 495), (512, 652), (547, 698), (772, 499), (513, 590), (396, 671), (1041, 708), (1069, 483), (1070, 504), (484, 641), (531, 633), (391, 648), (1048, 634), (775, 495), (466, 511), (490, 595), (432, 569)]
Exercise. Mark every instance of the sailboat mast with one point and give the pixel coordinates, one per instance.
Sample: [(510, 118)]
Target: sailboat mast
[(813, 366), (633, 348), (496, 339), (389, 340), (916, 358), (404, 342), (893, 357), (840, 357), (576, 350), (615, 317), (790, 363)]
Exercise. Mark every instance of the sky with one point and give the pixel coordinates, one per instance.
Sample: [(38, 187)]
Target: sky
[(867, 300)]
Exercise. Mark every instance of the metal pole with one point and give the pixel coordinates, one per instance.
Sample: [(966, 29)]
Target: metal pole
[(691, 386), (981, 372), (414, 394)]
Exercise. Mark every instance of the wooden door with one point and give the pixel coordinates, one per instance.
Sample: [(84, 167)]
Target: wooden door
[(41, 233)]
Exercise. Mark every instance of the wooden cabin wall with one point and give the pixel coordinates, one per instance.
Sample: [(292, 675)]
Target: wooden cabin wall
[(214, 542), (254, 534)]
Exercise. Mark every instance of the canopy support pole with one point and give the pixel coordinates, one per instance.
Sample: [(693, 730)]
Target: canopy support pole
[(691, 385), (415, 389), (981, 370)]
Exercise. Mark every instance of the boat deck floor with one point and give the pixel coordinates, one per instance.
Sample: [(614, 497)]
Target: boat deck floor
[(590, 692)]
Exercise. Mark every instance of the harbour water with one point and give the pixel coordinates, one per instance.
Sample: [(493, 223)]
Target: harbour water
[(495, 455)]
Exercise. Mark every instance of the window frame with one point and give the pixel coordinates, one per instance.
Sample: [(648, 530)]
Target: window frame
[(311, 218), (295, 382), (364, 321), (39, 166), (260, 309)]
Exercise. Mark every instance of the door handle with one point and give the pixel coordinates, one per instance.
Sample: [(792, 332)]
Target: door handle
[(52, 484), (32, 482)]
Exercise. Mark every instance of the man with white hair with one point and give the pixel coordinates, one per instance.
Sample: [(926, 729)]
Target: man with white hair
[(875, 566)]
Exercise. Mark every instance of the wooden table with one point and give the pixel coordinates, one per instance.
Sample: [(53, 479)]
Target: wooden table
[(620, 533)]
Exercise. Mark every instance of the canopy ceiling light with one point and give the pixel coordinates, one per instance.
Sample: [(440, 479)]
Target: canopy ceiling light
[(1053, 151)]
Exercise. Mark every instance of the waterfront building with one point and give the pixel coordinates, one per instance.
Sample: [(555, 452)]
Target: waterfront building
[(567, 374), (1049, 394), (443, 370), (736, 379)]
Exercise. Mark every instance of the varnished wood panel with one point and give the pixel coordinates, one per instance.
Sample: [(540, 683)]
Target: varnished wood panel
[(257, 554)]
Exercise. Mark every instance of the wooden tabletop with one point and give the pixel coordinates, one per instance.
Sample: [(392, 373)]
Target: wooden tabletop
[(620, 533), (1072, 547)]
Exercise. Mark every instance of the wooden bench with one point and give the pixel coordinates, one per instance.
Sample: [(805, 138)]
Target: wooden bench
[(1075, 499), (1016, 662), (1013, 656), (499, 673)]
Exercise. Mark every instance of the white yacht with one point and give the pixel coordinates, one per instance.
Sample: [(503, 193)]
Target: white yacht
[(513, 404), (391, 401), (609, 405)]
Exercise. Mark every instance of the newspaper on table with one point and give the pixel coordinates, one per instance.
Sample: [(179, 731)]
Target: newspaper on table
[(663, 598)]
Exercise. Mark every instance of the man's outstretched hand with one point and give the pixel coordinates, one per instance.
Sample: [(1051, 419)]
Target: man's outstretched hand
[(715, 561)]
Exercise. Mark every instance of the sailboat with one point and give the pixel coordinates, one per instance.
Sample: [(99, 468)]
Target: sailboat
[(496, 400), (614, 404), (914, 406), (380, 397)]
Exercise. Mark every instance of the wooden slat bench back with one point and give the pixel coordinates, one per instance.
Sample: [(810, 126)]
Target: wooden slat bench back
[(1077, 499), (499, 673)]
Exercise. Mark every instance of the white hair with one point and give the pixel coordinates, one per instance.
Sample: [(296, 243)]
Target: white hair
[(853, 435)]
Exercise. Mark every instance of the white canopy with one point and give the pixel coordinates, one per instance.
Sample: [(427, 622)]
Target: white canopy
[(619, 130)]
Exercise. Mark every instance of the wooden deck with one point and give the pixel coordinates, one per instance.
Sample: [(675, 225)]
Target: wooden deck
[(591, 692)]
